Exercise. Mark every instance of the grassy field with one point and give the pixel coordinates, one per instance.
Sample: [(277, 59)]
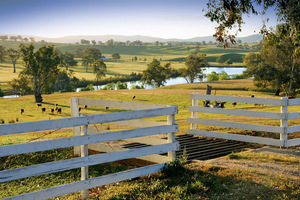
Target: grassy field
[(198, 182), (174, 54)]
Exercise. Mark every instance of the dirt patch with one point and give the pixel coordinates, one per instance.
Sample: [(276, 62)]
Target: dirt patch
[(287, 170)]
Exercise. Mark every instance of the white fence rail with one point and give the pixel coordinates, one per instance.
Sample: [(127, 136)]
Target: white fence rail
[(283, 116), (83, 139)]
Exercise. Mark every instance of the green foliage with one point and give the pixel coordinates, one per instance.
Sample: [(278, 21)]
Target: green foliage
[(194, 64), (275, 66), (109, 86), (116, 56), (40, 66), (228, 62), (2, 53), (1, 94), (99, 69), (220, 60), (21, 85), (173, 168), (90, 55), (155, 74), (213, 76), (121, 86), (67, 60), (137, 87), (13, 55), (232, 155), (89, 87), (223, 75)]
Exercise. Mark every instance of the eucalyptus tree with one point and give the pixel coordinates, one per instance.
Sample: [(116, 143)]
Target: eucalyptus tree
[(195, 65), (276, 65), (99, 69), (2, 53), (13, 55), (229, 16), (90, 55), (67, 60), (156, 74), (41, 66)]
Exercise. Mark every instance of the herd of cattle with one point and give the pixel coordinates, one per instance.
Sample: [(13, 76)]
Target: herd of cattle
[(43, 109)]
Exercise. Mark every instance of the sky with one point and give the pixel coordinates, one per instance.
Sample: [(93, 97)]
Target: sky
[(182, 19)]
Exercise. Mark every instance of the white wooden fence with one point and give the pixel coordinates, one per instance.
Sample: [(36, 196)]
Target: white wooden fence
[(83, 140), (283, 116)]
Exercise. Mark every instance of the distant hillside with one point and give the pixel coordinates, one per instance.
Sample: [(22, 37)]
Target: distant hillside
[(122, 38)]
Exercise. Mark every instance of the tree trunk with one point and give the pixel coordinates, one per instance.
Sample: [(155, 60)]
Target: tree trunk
[(277, 92), (14, 63), (38, 97)]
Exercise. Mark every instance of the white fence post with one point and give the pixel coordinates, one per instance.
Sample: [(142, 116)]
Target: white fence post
[(84, 170), (171, 137), (194, 114), (284, 121), (76, 129)]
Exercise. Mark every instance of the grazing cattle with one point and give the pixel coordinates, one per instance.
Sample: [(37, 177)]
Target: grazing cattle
[(52, 110), (133, 97), (79, 109), (39, 105), (106, 108), (21, 110), (222, 104), (58, 110), (234, 104), (43, 110), (252, 96), (56, 105), (85, 107)]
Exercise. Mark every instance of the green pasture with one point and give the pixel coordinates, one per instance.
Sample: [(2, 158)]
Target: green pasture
[(144, 54), (204, 181), (169, 95)]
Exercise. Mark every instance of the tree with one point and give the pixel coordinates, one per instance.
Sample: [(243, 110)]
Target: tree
[(40, 66), (13, 55), (220, 60), (2, 53), (90, 55), (94, 42), (223, 76), (99, 69), (155, 74), (229, 15), (195, 64), (67, 60), (121, 86), (3, 37), (275, 66), (21, 85), (213, 76), (228, 62), (116, 56), (110, 43)]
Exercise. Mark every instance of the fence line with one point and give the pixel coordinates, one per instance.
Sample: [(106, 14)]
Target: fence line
[(84, 139), (283, 116)]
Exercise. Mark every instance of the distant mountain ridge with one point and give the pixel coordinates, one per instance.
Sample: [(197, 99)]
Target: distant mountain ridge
[(122, 38)]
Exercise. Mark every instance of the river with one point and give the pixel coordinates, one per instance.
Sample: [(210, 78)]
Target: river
[(181, 80)]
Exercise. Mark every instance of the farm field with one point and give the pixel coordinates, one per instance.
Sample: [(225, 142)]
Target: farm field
[(207, 180), (200, 181), (174, 54)]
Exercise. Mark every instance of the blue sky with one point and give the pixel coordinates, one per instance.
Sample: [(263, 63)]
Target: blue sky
[(158, 18)]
